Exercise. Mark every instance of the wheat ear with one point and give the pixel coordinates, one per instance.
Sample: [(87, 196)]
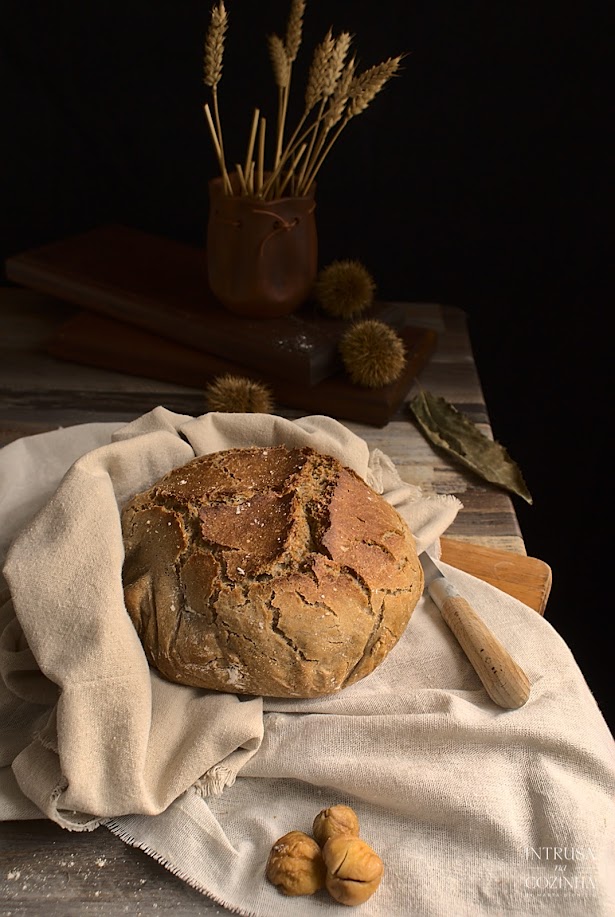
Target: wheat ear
[(368, 84)]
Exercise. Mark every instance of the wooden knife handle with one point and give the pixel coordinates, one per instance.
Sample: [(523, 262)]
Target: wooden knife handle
[(505, 682)]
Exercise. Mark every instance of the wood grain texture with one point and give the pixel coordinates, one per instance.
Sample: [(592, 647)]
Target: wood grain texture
[(47, 870), (525, 578)]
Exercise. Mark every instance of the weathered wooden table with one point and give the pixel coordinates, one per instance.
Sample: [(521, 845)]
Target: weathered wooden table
[(47, 870)]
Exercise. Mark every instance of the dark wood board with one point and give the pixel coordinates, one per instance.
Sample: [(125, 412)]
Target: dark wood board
[(95, 340), (161, 285)]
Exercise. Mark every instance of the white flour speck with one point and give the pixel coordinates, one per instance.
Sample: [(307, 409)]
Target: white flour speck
[(234, 675)]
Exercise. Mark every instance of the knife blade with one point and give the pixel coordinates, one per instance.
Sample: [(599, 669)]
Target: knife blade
[(504, 680)]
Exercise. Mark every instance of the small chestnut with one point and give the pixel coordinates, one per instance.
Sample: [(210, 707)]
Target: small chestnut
[(295, 864), (335, 820), (354, 870)]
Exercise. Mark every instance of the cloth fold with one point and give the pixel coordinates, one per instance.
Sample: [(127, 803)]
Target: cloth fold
[(107, 736), (466, 803)]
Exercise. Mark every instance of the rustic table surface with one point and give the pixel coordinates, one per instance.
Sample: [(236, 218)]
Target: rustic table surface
[(43, 868)]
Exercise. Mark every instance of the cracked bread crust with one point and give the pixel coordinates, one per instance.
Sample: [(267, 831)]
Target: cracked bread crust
[(269, 571)]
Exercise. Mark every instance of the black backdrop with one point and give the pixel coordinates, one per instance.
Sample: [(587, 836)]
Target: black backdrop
[(479, 178)]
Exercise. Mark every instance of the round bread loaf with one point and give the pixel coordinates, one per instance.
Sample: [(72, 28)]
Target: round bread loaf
[(268, 571)]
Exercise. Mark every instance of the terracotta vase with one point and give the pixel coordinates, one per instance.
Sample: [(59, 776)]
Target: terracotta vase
[(262, 255)]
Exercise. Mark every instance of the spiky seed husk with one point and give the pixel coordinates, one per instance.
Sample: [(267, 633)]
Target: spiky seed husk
[(214, 45), (294, 29), (368, 84), (373, 353), (344, 288), (238, 395), (279, 61)]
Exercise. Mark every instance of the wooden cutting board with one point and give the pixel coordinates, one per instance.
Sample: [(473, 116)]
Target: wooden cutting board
[(526, 578), (97, 340), (161, 286)]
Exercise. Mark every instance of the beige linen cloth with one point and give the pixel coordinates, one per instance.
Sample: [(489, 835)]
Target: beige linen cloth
[(475, 810)]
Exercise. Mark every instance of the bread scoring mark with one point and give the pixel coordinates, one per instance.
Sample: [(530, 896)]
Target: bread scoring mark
[(369, 645)]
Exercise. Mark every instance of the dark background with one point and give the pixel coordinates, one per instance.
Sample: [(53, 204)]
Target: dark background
[(479, 178)]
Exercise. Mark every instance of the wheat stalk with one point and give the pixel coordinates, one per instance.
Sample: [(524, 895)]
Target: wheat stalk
[(242, 178), (325, 85), (260, 158), (213, 133), (283, 57), (213, 57), (250, 150), (320, 85), (291, 172), (281, 73), (361, 91)]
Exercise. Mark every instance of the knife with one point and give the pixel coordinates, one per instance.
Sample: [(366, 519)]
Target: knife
[(504, 681)]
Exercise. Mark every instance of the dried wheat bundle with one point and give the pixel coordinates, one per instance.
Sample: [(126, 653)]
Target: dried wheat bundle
[(335, 93)]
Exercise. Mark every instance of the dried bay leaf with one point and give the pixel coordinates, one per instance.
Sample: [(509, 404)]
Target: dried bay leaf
[(452, 431)]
